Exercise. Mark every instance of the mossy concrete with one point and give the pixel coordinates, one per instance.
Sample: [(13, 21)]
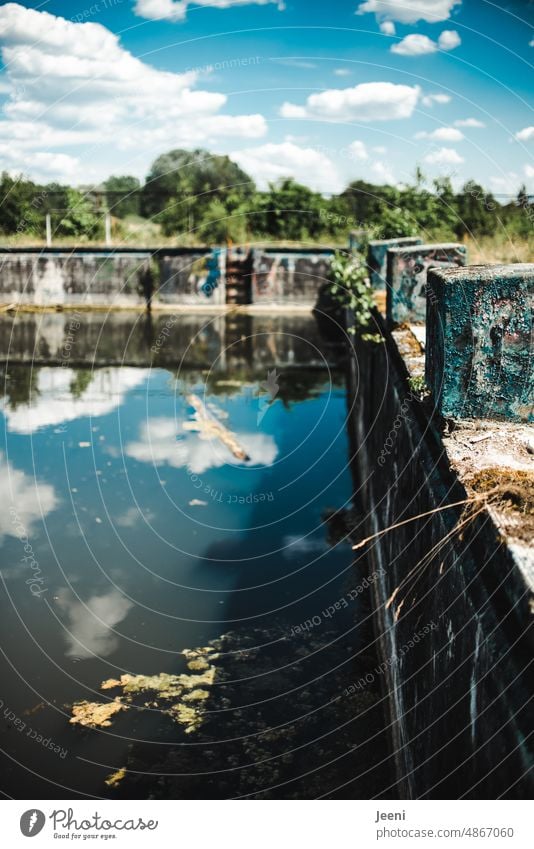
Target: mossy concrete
[(406, 277), (479, 338), (377, 257)]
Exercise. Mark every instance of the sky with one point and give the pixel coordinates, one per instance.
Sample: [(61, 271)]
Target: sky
[(325, 92)]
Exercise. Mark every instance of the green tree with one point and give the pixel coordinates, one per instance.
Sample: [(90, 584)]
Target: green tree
[(477, 211), (123, 196), (181, 184)]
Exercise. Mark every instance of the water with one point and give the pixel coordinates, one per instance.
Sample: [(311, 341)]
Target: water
[(129, 535)]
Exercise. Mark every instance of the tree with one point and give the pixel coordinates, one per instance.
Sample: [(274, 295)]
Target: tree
[(123, 196), (22, 208), (183, 180), (477, 211)]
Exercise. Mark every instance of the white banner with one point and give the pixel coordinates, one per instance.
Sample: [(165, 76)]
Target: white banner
[(257, 825)]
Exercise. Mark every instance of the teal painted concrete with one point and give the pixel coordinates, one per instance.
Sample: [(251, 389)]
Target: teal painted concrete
[(377, 256), (406, 277), (479, 341)]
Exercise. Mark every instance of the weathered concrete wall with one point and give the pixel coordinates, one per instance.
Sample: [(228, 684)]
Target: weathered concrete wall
[(377, 257), (164, 277), (287, 277), (453, 603), (195, 277), (406, 277), (479, 330), (68, 278)]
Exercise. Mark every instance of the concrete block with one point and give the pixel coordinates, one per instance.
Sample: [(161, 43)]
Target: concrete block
[(377, 257), (406, 277), (479, 337)]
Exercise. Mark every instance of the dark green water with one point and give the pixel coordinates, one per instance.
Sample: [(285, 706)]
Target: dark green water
[(143, 539)]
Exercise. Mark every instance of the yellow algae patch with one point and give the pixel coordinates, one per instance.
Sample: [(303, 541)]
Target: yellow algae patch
[(116, 777), (95, 714), (196, 696), (110, 683), (188, 716), (198, 664)]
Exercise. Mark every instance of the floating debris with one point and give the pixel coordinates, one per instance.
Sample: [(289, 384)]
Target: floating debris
[(116, 777), (209, 427), (95, 714)]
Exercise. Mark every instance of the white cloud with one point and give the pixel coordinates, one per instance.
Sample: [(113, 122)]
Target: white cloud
[(382, 172), (409, 11), (449, 39), (414, 45), (444, 156), (525, 135), (159, 446), (307, 165), (357, 150), (176, 10), (388, 28), (26, 497), (430, 99), (529, 170), (74, 84), (90, 628), (53, 404), (469, 122), (419, 45), (380, 149), (342, 72), (446, 134), (364, 102)]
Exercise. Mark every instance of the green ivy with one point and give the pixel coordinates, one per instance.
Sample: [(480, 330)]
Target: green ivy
[(350, 288)]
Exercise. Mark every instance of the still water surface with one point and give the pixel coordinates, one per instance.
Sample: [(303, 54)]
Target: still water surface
[(134, 527)]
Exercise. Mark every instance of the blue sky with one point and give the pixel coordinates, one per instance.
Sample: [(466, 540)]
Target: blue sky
[(324, 92)]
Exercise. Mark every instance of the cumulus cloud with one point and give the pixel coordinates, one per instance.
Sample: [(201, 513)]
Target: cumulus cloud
[(469, 122), (449, 39), (364, 102), (90, 629), (409, 11), (24, 500), (444, 156), (414, 45), (74, 84), (447, 134), (430, 99), (159, 446), (176, 10), (418, 45), (308, 165), (357, 150), (525, 135), (53, 403), (388, 28)]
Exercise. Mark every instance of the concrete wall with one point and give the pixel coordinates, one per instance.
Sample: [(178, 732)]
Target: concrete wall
[(194, 277), (288, 277), (166, 277), (454, 604), (66, 278)]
